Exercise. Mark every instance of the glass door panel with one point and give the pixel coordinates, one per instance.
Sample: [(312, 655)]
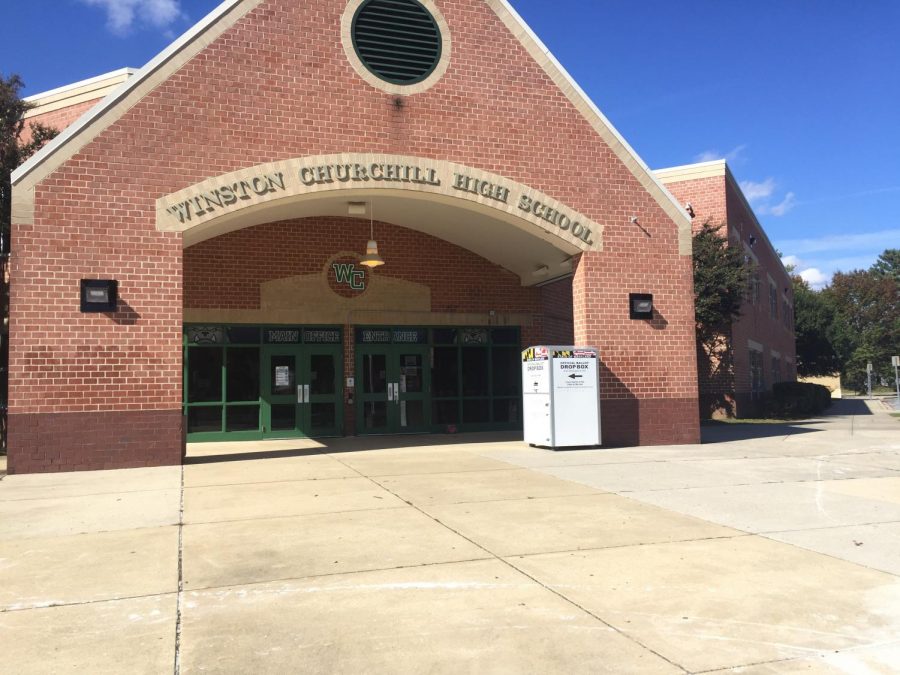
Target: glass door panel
[(323, 406), (372, 400), (411, 387), (393, 389), (282, 418)]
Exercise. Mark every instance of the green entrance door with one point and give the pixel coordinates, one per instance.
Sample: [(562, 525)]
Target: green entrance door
[(301, 390), (393, 389)]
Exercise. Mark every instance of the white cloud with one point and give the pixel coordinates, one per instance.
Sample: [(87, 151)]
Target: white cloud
[(786, 204), (815, 278), (791, 260), (121, 15), (755, 191), (732, 155)]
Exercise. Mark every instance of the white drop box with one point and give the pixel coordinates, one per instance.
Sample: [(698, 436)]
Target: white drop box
[(561, 392)]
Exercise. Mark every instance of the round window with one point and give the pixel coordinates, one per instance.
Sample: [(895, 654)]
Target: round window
[(397, 40)]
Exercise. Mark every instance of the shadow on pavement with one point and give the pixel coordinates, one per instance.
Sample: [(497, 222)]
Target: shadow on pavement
[(847, 406), (325, 446), (724, 432)]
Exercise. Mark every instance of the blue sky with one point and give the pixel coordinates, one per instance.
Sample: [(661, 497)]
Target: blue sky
[(801, 96)]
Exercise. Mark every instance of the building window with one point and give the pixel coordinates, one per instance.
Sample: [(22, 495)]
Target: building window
[(754, 286), (757, 378), (773, 300), (776, 369)]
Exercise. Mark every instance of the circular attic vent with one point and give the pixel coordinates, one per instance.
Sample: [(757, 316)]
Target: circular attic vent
[(398, 40)]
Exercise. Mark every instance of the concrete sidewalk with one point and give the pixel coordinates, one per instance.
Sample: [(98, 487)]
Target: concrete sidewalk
[(769, 549)]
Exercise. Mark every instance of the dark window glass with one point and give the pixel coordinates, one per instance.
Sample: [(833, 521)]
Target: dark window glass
[(242, 418), (375, 415), (374, 373), (475, 372), (476, 411), (204, 419), (445, 412), (283, 370), (321, 374), (322, 415), (412, 414), (411, 381), (445, 373), (243, 335), (204, 374), (506, 410), (242, 374), (507, 372), (445, 336), (284, 417), (505, 336)]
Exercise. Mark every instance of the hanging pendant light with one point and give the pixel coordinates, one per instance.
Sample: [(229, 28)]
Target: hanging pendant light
[(371, 258)]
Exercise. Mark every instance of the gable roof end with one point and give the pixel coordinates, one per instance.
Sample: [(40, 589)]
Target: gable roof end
[(511, 19)]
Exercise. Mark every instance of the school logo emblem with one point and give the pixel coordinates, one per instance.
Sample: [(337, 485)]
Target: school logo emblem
[(346, 276), (347, 273)]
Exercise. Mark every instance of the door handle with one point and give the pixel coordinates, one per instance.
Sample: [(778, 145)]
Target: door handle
[(390, 391), (299, 393), (306, 393)]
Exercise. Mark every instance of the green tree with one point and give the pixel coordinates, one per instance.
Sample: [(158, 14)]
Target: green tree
[(888, 264), (813, 320), (13, 151), (721, 277), (866, 325)]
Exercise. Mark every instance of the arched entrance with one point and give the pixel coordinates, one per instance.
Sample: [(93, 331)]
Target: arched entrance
[(287, 335)]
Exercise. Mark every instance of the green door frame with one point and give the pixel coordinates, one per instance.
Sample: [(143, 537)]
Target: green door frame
[(303, 392), (320, 415), (398, 377)]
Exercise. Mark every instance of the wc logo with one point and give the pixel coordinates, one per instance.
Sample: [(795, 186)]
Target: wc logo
[(346, 273)]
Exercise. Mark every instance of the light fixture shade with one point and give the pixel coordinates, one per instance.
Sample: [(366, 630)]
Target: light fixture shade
[(371, 258)]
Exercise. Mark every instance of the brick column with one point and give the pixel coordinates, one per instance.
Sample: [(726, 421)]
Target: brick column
[(648, 368)]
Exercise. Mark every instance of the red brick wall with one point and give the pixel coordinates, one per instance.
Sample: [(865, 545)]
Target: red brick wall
[(556, 312), (716, 199), (58, 119), (226, 272), (277, 85)]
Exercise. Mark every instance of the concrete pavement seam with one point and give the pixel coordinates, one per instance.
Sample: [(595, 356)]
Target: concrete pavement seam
[(180, 596), (325, 575), (536, 581), (97, 601)]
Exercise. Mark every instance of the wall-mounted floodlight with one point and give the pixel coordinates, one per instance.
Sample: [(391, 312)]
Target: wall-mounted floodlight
[(99, 295), (641, 305)]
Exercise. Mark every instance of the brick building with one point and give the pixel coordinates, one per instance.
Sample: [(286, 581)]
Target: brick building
[(759, 347), (224, 195)]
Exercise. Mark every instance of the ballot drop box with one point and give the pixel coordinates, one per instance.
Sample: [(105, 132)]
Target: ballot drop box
[(561, 391)]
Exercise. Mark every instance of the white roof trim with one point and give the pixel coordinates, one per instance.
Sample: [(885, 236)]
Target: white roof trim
[(587, 100), (122, 90), (672, 174), (34, 98)]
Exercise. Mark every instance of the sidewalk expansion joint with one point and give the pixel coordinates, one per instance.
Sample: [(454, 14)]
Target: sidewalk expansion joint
[(558, 594), (180, 597)]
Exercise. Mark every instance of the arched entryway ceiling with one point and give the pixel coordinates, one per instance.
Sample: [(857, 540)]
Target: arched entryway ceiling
[(508, 223)]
